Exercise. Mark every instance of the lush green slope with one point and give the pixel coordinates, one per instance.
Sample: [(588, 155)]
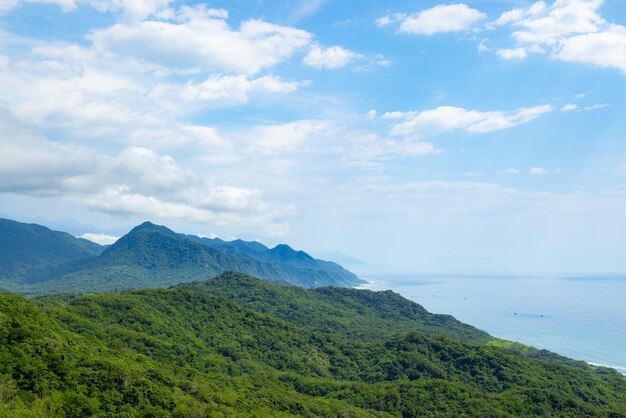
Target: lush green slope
[(188, 351), (350, 313), (48, 370), (154, 256)]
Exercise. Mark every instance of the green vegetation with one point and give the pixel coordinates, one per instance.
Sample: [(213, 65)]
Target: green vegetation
[(39, 261), (349, 313), (237, 346), (26, 249)]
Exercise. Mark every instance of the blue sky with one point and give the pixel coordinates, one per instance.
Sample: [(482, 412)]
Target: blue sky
[(435, 137)]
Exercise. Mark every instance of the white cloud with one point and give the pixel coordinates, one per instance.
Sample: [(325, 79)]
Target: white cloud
[(568, 30), (134, 182), (382, 61), (328, 139), (200, 39), (101, 239), (396, 114), (329, 58), (386, 20), (212, 235), (288, 136), (439, 19), (28, 163), (372, 114), (448, 118), (89, 98), (547, 25), (224, 89), (603, 49), (543, 170), (572, 106), (483, 47), (596, 106), (512, 53), (6, 5), (511, 171)]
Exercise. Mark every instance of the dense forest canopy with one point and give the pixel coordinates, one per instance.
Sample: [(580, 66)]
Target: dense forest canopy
[(236, 345)]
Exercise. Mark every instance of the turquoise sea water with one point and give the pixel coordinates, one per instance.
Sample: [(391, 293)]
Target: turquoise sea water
[(579, 317)]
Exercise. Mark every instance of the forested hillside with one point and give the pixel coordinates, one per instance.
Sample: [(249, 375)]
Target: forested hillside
[(212, 349)]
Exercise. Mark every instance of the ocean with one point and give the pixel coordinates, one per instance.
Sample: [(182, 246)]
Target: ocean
[(579, 317)]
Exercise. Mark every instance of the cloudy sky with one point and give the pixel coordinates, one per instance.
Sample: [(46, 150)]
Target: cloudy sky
[(477, 137)]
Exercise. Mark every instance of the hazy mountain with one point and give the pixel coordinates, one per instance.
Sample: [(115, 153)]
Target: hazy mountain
[(324, 273), (153, 256), (25, 248)]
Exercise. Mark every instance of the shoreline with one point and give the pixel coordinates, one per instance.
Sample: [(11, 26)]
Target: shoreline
[(378, 286), (619, 369)]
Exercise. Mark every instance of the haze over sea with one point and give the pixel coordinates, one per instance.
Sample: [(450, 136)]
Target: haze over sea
[(579, 317)]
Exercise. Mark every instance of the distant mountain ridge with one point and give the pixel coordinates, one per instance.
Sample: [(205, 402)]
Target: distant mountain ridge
[(45, 261), (284, 255), (25, 248)]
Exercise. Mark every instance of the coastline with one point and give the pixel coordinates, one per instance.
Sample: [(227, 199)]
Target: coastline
[(450, 296), (619, 369)]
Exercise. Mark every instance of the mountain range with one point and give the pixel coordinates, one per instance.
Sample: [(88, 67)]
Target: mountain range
[(36, 260)]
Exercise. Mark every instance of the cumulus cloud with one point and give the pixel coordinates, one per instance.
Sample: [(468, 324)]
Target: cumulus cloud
[(603, 49), (567, 30), (449, 118), (30, 164), (223, 89), (134, 182), (89, 98), (439, 19), (329, 58), (200, 39)]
